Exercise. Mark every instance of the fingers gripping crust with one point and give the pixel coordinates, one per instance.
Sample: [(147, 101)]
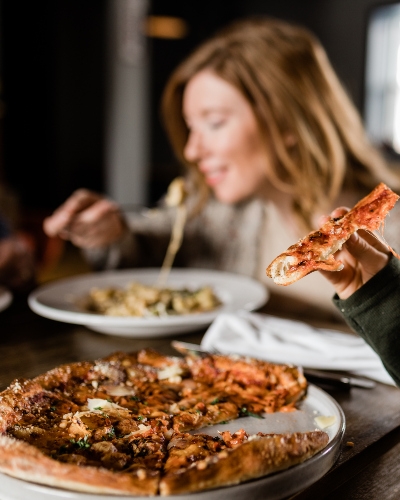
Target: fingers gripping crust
[(315, 251)]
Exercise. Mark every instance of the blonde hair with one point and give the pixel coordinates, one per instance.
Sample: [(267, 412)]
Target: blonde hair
[(284, 73)]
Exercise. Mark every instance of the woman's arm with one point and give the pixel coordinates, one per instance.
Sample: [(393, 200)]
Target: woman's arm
[(368, 295)]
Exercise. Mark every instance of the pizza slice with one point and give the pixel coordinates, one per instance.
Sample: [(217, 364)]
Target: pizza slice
[(202, 462), (315, 251), (223, 387), (26, 462), (99, 447)]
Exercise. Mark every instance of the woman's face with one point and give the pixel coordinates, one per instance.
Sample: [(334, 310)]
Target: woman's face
[(224, 138)]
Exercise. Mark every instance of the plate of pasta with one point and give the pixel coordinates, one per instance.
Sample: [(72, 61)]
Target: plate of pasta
[(130, 303)]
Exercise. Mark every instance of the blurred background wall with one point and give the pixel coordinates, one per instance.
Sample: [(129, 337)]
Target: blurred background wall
[(81, 83)]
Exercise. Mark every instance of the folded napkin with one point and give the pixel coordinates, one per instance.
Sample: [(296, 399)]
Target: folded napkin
[(292, 342)]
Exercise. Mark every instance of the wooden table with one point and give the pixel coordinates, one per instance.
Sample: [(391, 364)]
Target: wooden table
[(30, 345)]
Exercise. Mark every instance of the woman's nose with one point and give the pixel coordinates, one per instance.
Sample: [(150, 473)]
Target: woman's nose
[(192, 149)]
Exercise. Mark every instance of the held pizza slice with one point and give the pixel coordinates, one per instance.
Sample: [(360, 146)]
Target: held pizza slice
[(201, 462), (315, 251)]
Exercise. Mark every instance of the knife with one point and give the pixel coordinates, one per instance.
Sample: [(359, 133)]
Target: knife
[(336, 379), (318, 377)]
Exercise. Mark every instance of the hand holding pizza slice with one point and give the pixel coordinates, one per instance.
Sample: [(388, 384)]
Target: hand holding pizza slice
[(363, 256), (316, 250)]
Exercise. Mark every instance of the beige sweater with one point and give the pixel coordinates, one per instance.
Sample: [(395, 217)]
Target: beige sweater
[(242, 239)]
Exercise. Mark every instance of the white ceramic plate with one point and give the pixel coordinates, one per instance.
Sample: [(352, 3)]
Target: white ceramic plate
[(5, 298), (57, 300), (274, 487)]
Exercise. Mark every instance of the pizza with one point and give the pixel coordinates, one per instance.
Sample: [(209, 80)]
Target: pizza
[(316, 250), (136, 424)]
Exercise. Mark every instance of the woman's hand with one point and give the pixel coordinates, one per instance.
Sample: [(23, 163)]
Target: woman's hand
[(87, 219), (363, 255)]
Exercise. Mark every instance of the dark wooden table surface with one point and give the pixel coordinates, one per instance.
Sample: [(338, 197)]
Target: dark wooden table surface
[(370, 469)]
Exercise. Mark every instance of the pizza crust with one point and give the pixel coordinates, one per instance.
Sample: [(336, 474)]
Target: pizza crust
[(24, 461)]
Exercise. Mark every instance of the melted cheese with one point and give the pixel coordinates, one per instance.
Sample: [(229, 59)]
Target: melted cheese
[(119, 390), (95, 404), (171, 373)]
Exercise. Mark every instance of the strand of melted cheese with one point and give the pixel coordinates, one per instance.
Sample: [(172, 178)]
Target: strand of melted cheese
[(380, 237)]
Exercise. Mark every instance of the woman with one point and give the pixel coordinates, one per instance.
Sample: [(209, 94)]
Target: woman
[(270, 142)]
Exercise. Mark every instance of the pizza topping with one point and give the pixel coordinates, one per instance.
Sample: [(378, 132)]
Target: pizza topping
[(118, 390), (102, 404), (174, 408), (27, 432), (232, 440), (109, 371), (77, 427), (141, 430), (172, 373)]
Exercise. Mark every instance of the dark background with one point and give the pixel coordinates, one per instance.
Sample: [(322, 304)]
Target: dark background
[(53, 73)]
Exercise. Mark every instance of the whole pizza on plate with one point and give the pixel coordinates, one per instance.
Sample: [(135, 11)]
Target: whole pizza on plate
[(126, 424)]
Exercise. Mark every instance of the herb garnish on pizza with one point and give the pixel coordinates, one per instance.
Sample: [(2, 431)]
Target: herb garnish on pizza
[(124, 424), (315, 251)]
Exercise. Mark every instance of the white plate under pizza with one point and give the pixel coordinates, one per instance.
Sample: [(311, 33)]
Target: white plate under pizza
[(274, 487)]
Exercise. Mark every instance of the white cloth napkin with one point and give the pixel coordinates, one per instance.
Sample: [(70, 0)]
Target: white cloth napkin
[(293, 342)]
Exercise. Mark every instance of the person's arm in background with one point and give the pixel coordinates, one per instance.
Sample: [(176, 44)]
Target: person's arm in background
[(96, 225), (368, 294), (87, 219), (17, 266), (108, 238)]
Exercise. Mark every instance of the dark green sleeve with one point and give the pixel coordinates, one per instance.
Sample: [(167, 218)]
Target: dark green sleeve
[(373, 312)]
